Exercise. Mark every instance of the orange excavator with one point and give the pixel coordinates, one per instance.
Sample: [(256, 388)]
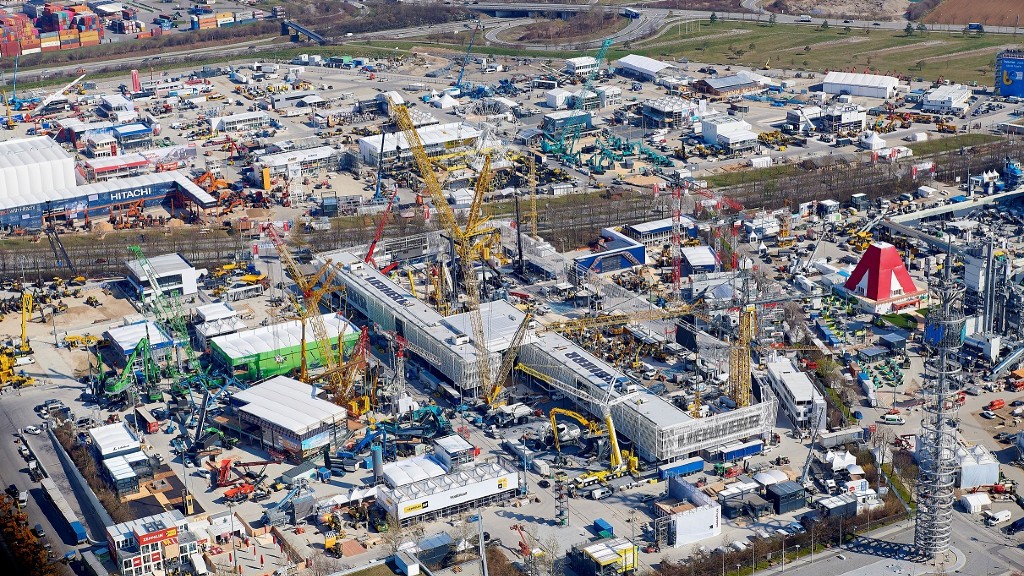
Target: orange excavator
[(211, 183)]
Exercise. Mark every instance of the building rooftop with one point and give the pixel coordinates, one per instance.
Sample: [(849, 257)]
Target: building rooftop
[(797, 382), (453, 444), (44, 160), (853, 79), (699, 255), (107, 163), (128, 337), (113, 438), (643, 64), (215, 311), (132, 129), (429, 135), (663, 225), (163, 265), (412, 470), (948, 92), (267, 339), (240, 117), (731, 82), (290, 404), (148, 525), (671, 104), (293, 156), (478, 472)]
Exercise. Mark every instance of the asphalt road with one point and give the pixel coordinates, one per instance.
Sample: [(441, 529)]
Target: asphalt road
[(985, 550)]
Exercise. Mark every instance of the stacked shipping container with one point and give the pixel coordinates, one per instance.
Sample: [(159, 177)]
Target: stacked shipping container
[(61, 27)]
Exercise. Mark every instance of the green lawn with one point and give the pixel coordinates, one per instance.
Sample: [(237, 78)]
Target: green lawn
[(927, 55), (950, 143), (752, 44)]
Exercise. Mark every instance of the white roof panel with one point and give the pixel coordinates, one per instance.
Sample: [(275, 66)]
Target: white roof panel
[(128, 337), (853, 79), (643, 64), (265, 339), (164, 265), (410, 470), (31, 169), (290, 404), (113, 438), (699, 255)]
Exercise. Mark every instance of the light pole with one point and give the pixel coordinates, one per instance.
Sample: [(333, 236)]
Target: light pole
[(783, 554), (797, 554)]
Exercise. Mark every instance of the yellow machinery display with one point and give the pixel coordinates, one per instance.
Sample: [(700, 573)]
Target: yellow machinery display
[(621, 461), (24, 348), (309, 313), (495, 395), (739, 357), (592, 428), (462, 237)]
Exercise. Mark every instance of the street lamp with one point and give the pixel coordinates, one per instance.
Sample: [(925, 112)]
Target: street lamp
[(783, 554), (797, 553)]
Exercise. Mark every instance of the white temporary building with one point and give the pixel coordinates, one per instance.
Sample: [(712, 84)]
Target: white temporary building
[(869, 85), (840, 460), (975, 503), (978, 467), (31, 169), (444, 101), (870, 140)]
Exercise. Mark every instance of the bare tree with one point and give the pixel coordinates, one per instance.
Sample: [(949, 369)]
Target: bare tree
[(394, 537), (323, 565)]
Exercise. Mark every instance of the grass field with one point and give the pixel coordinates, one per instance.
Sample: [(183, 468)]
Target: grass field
[(928, 55), (950, 143), (925, 54)]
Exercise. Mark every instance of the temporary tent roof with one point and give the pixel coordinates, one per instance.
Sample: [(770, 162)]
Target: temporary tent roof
[(870, 140), (288, 403), (113, 439), (880, 273), (31, 169), (975, 503), (411, 470), (266, 339)]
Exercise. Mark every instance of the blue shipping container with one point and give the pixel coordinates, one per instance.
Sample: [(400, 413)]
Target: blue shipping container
[(80, 533), (681, 468), (602, 525), (742, 450)]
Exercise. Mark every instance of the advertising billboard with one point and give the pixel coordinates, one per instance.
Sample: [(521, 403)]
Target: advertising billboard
[(443, 499), (1010, 77), (158, 536)]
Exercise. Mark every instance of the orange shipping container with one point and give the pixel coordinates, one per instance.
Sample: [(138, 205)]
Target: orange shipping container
[(90, 42), (89, 35)]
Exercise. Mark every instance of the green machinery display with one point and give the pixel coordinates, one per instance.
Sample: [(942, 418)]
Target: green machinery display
[(168, 311), (563, 144), (141, 373)]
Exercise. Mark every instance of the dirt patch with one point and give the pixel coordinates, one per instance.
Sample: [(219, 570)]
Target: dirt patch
[(899, 48), (842, 9), (987, 12), (840, 42)]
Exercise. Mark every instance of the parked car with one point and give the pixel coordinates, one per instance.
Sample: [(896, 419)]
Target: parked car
[(35, 431), (38, 530), (988, 414)]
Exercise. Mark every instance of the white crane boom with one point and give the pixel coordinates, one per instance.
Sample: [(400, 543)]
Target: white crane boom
[(54, 96)]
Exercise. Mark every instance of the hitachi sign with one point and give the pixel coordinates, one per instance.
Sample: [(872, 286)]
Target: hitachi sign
[(129, 194)]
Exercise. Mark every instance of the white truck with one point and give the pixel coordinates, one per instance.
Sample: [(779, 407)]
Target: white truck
[(512, 414), (994, 518)]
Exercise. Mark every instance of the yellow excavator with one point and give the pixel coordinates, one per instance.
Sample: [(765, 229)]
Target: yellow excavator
[(592, 428)]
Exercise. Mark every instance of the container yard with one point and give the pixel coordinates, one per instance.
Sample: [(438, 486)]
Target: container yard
[(337, 315)]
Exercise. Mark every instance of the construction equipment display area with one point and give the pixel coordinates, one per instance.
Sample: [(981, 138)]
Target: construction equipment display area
[(369, 331)]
